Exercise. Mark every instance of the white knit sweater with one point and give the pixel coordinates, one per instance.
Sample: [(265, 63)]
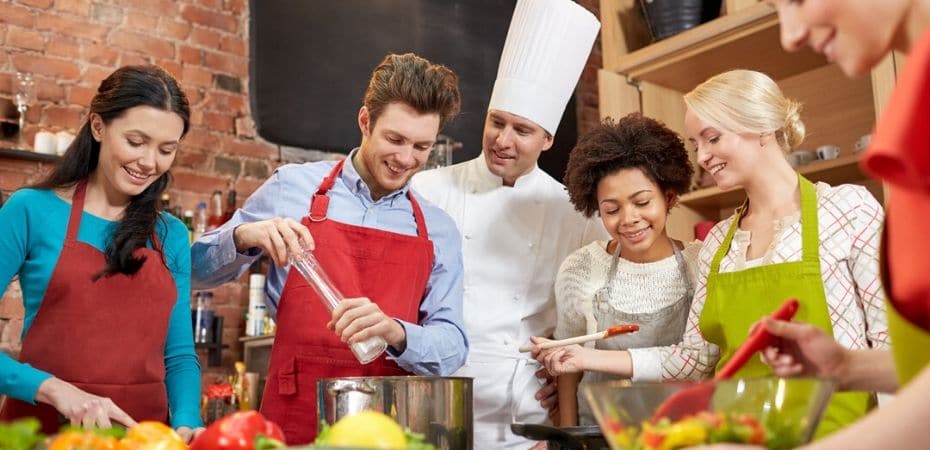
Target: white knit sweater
[(650, 286)]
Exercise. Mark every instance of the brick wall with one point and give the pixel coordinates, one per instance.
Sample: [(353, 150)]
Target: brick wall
[(71, 45), (586, 100)]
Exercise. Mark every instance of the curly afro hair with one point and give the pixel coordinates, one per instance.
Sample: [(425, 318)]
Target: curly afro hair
[(634, 141)]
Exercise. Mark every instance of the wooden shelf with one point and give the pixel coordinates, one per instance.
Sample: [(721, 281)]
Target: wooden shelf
[(747, 39), (26, 155), (844, 169), (265, 339)]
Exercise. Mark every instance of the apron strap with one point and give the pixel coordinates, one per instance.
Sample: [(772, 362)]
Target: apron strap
[(417, 215), (728, 239), (319, 204), (683, 267), (591, 317), (77, 209), (810, 249)]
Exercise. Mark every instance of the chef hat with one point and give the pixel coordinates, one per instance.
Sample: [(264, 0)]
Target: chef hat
[(546, 49)]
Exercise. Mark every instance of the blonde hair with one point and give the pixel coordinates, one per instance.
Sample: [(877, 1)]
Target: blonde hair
[(748, 102)]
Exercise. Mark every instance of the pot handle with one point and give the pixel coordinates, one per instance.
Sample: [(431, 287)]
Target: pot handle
[(539, 432)]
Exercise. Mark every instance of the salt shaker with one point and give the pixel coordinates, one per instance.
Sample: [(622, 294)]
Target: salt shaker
[(366, 351)]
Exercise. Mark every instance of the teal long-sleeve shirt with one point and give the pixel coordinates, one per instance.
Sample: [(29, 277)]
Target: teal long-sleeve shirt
[(33, 224)]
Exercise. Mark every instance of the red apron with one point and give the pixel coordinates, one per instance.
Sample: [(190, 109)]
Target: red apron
[(107, 336), (391, 269)]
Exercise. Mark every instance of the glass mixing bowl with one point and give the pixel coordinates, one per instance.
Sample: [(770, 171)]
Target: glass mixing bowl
[(786, 409)]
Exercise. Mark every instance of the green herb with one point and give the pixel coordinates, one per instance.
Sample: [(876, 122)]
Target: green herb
[(22, 434), (117, 432)]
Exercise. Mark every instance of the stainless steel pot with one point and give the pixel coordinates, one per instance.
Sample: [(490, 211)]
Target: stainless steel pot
[(438, 407)]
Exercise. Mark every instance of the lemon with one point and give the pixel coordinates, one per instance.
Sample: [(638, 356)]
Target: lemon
[(367, 429)]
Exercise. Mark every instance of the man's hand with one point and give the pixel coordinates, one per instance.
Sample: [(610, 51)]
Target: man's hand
[(82, 408), (548, 395), (357, 319), (278, 237)]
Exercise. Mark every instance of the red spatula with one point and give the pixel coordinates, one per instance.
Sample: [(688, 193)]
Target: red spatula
[(694, 399)]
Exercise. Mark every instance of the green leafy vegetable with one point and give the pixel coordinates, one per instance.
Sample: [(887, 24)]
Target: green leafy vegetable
[(22, 434)]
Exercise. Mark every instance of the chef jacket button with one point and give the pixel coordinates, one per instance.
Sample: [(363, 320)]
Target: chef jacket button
[(531, 245), (516, 298), (467, 236)]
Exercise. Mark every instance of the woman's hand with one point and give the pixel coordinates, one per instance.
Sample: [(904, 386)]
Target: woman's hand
[(803, 350), (188, 433), (561, 360), (278, 237), (80, 407)]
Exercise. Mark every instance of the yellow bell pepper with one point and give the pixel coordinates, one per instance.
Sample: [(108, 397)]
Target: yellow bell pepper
[(153, 436), (84, 440)]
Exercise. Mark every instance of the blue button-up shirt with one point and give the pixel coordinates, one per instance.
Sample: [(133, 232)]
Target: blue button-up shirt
[(438, 345)]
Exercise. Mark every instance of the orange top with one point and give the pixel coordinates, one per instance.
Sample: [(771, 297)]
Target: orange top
[(900, 156)]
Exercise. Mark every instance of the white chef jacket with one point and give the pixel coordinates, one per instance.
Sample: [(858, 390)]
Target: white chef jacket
[(514, 239)]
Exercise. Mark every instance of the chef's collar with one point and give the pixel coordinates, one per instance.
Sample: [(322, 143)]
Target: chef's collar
[(353, 180), (486, 179)]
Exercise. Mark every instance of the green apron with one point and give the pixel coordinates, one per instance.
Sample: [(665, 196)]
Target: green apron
[(909, 343), (737, 300)]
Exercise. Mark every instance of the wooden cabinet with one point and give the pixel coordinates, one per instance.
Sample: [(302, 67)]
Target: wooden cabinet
[(652, 80)]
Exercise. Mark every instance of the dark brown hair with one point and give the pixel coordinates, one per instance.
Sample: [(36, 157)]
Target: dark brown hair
[(124, 89), (634, 141), (410, 79)]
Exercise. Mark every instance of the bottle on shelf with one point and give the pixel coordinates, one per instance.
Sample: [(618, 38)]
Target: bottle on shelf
[(241, 387), (189, 222), (203, 317), (178, 211), (215, 218), (230, 205), (257, 309), (200, 220), (166, 202)]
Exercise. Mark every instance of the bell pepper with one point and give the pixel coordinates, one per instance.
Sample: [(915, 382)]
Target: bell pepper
[(84, 440), (686, 433), (652, 437), (753, 431), (152, 436), (244, 430)]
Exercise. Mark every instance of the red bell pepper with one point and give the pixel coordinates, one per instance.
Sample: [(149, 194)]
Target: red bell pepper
[(245, 430)]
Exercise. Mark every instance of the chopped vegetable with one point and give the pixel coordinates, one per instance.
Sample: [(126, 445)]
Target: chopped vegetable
[(152, 435), (699, 429)]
